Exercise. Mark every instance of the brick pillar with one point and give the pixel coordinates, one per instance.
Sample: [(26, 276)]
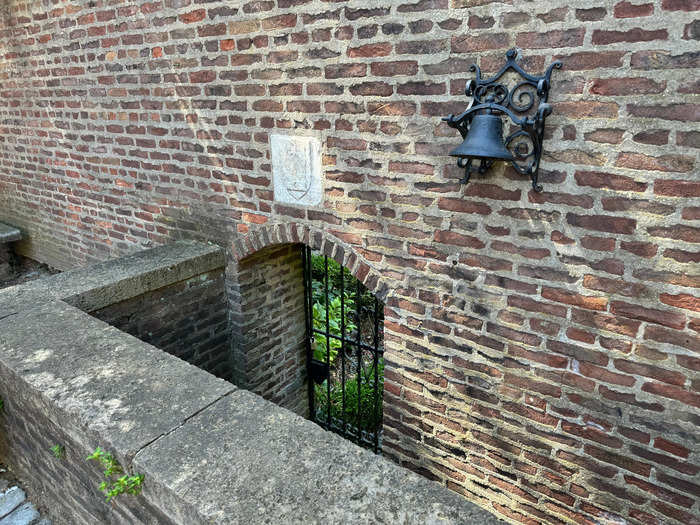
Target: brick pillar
[(268, 327)]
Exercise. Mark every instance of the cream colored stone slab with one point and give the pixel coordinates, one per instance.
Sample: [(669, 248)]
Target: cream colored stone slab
[(296, 169)]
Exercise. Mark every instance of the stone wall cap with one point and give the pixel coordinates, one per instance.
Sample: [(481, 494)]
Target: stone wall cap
[(9, 233), (105, 283), (116, 390), (246, 460)]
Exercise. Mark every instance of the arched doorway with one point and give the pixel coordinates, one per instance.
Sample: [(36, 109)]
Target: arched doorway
[(345, 351), (274, 338)]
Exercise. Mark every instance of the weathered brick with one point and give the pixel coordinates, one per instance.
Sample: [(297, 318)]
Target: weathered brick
[(602, 223)]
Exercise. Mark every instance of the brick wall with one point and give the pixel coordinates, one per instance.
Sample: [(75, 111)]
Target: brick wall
[(542, 349), (188, 319), (30, 427), (268, 327)]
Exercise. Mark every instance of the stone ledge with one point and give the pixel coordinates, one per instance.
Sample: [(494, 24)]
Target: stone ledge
[(265, 464), (109, 282), (9, 233), (116, 390)]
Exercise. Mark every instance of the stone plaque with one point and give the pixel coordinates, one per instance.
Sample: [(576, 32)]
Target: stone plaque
[(296, 169)]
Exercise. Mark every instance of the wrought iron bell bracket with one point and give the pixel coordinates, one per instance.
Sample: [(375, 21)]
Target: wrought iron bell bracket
[(518, 104)]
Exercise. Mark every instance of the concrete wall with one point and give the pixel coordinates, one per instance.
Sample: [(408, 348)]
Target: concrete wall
[(542, 349), (210, 453)]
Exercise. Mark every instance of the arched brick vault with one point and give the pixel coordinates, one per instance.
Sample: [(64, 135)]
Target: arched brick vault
[(267, 316), (321, 240)]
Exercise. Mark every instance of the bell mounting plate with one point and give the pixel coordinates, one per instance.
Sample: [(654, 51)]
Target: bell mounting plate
[(526, 106)]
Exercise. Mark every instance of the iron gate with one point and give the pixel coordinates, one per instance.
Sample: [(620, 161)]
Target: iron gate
[(345, 349)]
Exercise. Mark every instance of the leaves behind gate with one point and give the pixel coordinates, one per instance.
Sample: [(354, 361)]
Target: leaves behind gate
[(335, 318), (368, 415)]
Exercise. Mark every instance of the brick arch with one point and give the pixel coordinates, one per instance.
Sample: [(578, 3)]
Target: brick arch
[(268, 315), (343, 253)]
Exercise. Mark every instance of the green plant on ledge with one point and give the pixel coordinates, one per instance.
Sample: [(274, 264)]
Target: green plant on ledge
[(58, 451), (114, 485)]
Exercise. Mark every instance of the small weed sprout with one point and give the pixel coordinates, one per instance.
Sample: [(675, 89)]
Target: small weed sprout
[(2, 404), (58, 451), (113, 486)]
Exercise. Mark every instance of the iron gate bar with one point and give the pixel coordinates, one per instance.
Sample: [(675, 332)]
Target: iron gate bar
[(342, 345), (338, 338), (376, 369), (328, 341), (358, 306), (308, 306)]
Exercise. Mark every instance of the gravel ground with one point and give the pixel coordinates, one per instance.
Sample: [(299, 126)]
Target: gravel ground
[(25, 270)]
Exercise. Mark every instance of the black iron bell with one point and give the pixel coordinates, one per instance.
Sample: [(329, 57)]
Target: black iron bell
[(484, 139)]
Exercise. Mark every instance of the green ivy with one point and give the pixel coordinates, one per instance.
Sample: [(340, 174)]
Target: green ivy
[(58, 451), (112, 487)]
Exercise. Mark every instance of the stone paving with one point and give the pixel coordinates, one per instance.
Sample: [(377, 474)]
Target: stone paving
[(15, 509)]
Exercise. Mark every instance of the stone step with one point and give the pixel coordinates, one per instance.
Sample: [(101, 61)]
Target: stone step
[(9, 233), (10, 500), (25, 514)]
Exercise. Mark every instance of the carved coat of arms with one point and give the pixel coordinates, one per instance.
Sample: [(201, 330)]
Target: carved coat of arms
[(296, 169)]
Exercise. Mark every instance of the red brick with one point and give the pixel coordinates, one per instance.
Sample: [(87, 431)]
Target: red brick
[(611, 181), (592, 60), (552, 39), (345, 70), (654, 372), (390, 69), (193, 16), (575, 299), (625, 462), (370, 50), (279, 22), (680, 5), (603, 37), (642, 249), (629, 10), (626, 86), (603, 321), (491, 191), (671, 447), (663, 317), (483, 42), (587, 109), (463, 206), (660, 492), (681, 112), (457, 239), (526, 303), (603, 223), (677, 188), (684, 396), (536, 386), (613, 286)]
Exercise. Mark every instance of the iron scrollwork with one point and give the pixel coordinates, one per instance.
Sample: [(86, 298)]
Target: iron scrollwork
[(525, 105)]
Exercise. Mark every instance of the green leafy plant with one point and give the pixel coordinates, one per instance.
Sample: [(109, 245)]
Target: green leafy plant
[(2, 404), (360, 409), (58, 451), (335, 270), (321, 343), (115, 483)]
